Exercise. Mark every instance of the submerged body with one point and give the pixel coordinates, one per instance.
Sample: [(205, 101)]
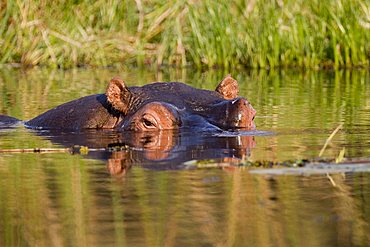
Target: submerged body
[(155, 106)]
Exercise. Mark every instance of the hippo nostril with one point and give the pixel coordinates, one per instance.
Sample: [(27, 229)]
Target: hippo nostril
[(253, 118)]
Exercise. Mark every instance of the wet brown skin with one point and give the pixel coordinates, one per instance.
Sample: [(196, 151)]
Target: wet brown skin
[(155, 106)]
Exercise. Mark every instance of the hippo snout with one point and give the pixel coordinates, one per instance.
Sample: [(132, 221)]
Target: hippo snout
[(240, 114)]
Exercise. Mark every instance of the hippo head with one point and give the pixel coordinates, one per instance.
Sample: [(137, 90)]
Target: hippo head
[(174, 105)]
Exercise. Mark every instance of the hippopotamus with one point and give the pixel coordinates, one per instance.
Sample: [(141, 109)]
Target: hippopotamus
[(155, 106)]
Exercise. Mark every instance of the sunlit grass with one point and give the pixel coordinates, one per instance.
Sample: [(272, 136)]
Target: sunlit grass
[(205, 33)]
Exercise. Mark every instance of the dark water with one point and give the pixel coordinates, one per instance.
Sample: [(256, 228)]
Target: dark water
[(187, 189)]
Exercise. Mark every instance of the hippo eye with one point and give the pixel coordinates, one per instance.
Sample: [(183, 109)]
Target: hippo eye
[(148, 121), (148, 124)]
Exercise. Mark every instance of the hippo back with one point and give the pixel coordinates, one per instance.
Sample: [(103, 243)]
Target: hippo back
[(90, 112)]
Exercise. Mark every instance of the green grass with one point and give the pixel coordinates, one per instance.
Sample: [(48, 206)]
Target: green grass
[(258, 34)]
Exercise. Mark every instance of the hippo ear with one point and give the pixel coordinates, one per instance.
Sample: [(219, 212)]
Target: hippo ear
[(118, 95), (228, 88)]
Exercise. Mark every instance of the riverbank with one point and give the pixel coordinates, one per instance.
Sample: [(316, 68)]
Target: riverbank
[(257, 34)]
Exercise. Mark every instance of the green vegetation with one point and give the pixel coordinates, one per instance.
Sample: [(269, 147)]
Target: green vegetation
[(265, 33)]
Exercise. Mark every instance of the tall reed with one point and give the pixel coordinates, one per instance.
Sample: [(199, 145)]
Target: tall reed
[(254, 33)]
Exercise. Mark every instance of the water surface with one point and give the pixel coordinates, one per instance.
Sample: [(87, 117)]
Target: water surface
[(179, 189)]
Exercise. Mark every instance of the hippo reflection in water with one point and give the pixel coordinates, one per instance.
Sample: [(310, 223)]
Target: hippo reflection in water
[(161, 150), (155, 106)]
